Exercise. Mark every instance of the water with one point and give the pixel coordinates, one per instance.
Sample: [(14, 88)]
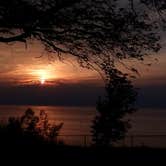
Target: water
[(148, 121), (77, 120)]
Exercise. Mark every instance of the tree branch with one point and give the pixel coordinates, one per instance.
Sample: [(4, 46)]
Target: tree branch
[(18, 38)]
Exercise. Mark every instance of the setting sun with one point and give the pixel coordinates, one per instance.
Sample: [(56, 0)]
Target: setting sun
[(43, 76), (42, 80)]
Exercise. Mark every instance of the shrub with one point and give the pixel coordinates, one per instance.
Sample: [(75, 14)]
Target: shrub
[(29, 129)]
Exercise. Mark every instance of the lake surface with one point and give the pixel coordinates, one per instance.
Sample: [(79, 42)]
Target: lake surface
[(77, 120)]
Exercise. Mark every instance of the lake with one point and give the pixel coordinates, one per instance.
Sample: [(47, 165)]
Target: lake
[(77, 120)]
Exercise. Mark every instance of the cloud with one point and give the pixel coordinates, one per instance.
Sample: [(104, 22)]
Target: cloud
[(62, 94), (152, 96), (72, 85), (68, 93)]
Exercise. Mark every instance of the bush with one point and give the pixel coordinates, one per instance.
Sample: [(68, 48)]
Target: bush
[(29, 129)]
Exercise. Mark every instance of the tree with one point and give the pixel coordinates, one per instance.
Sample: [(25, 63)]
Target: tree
[(96, 32), (91, 30), (29, 128), (109, 125), (45, 129)]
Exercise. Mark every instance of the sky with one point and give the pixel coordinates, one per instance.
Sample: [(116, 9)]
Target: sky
[(29, 77)]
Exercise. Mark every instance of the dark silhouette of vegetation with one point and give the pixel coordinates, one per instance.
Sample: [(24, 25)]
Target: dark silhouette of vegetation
[(91, 30), (96, 32), (109, 125), (29, 129)]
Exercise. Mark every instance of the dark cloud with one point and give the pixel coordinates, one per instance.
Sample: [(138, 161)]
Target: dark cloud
[(152, 96), (83, 93), (62, 94)]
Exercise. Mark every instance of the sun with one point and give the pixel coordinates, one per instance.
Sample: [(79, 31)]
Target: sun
[(42, 80), (43, 76)]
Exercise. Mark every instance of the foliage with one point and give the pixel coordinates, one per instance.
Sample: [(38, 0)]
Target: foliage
[(109, 125), (98, 33), (29, 128), (91, 30)]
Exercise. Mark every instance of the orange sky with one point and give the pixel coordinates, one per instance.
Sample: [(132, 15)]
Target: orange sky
[(20, 65), (65, 83)]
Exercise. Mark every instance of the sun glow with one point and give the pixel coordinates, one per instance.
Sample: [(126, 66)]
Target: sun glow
[(42, 80), (43, 76)]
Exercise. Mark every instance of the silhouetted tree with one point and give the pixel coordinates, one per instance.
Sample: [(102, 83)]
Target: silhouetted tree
[(159, 6), (93, 31), (109, 125), (29, 128), (45, 129), (90, 30)]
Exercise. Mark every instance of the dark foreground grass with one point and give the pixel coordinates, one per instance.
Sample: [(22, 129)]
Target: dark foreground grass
[(69, 155)]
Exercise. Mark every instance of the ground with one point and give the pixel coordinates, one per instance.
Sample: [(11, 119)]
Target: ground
[(53, 155)]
